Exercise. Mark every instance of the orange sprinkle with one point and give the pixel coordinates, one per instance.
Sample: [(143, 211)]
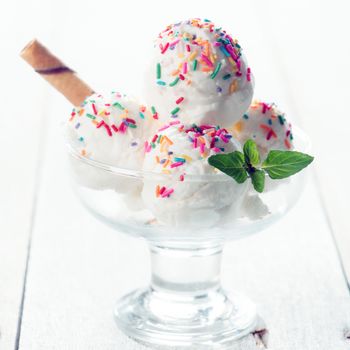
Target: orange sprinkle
[(157, 191), (207, 69), (238, 127), (83, 152), (287, 143), (166, 171), (157, 159), (81, 112), (233, 86), (175, 72), (166, 163)]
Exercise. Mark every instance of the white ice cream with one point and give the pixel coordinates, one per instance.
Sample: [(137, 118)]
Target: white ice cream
[(198, 74), (111, 130), (182, 194), (267, 126)]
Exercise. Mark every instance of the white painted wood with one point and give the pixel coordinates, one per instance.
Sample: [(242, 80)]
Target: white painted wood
[(22, 107), (312, 46)]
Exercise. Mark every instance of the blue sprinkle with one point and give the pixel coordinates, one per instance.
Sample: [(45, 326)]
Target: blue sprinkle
[(218, 89), (245, 116), (77, 125), (162, 161), (270, 122), (134, 143)]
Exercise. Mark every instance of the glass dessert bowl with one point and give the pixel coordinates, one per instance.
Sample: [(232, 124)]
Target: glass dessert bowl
[(184, 305)]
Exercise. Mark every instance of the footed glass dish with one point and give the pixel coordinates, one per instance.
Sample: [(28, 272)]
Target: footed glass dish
[(184, 304)]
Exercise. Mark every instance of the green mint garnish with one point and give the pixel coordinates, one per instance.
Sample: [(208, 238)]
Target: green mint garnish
[(278, 164), (251, 153), (282, 164), (232, 164)]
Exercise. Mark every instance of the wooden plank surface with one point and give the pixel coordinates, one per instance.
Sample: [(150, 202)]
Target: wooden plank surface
[(22, 108), (78, 267)]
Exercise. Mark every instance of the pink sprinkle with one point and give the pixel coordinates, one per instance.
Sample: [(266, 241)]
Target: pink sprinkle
[(163, 127), (122, 127), (248, 74), (94, 108), (155, 138), (185, 68), (202, 147), (155, 116), (174, 42), (206, 60), (161, 191), (217, 43), (165, 48), (188, 48), (167, 193), (182, 177), (175, 165), (223, 138), (175, 122), (216, 149), (146, 146), (181, 77), (114, 128), (132, 121), (100, 124), (109, 132), (179, 100), (195, 143)]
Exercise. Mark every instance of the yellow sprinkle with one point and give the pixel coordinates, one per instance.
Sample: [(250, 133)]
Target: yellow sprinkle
[(166, 171), (193, 55), (181, 55), (188, 158)]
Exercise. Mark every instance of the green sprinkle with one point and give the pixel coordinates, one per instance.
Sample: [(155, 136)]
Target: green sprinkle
[(175, 110), (142, 115), (117, 104), (161, 82), (153, 145), (227, 76), (281, 119), (159, 137), (81, 138), (245, 116), (291, 136), (153, 110), (174, 82), (133, 126), (216, 71), (159, 71), (195, 63), (90, 116)]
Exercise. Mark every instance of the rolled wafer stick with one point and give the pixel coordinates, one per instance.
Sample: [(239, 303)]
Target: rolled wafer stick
[(64, 79)]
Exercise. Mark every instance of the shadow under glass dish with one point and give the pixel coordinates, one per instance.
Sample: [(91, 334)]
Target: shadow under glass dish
[(184, 305)]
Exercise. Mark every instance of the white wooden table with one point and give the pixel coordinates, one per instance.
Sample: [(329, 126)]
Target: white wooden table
[(61, 270)]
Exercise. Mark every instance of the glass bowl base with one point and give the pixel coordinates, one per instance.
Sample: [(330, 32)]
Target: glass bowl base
[(204, 320)]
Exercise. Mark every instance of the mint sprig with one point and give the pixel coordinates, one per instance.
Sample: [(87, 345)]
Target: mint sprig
[(278, 164)]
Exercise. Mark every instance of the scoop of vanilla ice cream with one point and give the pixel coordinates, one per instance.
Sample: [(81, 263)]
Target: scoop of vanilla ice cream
[(186, 193), (110, 130), (267, 126), (199, 75)]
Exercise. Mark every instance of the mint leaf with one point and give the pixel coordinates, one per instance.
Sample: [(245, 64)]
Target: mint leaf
[(258, 180), (282, 164), (251, 153), (232, 164)]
